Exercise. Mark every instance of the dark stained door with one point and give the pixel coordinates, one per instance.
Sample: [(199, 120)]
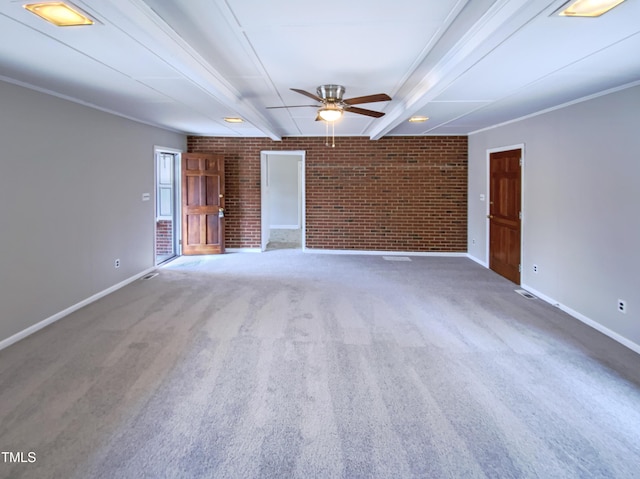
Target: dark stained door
[(202, 203), (505, 213)]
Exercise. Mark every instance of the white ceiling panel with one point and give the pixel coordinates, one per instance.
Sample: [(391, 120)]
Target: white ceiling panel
[(212, 35), (186, 65), (363, 45), (252, 13), (52, 65), (547, 45), (589, 76)]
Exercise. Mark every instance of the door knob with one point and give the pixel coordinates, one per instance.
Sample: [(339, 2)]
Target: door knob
[(490, 216)]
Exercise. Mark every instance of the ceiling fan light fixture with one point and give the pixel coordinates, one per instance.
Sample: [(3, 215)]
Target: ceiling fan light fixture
[(230, 119), (59, 13), (330, 114), (588, 8), (418, 119)]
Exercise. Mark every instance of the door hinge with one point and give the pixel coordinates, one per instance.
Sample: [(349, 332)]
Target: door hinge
[(519, 268), (520, 161), (519, 215)]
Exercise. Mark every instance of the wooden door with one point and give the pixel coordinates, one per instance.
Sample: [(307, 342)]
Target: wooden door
[(202, 203), (505, 213)]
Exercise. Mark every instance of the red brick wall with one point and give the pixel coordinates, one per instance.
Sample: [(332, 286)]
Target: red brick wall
[(393, 194), (164, 239)]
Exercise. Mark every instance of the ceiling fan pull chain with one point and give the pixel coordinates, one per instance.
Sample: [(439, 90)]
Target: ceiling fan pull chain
[(326, 133), (333, 134)]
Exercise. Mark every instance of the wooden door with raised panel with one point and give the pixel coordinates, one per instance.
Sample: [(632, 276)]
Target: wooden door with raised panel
[(202, 203), (505, 213)]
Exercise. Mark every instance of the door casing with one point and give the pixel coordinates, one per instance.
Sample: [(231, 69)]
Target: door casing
[(264, 192), (177, 195)]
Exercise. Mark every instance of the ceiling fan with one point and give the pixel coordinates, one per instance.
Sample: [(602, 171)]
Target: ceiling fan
[(333, 105)]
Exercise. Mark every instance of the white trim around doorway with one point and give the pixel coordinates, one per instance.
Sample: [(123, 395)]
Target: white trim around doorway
[(177, 179), (264, 213)]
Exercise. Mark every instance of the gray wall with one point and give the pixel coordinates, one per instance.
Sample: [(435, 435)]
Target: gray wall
[(581, 207), (71, 182)]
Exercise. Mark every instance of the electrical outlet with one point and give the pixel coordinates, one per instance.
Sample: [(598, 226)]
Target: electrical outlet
[(535, 268), (116, 263), (473, 241), (622, 306)]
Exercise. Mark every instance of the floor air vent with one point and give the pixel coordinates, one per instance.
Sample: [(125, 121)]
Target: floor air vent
[(396, 258), (524, 293), (149, 276)]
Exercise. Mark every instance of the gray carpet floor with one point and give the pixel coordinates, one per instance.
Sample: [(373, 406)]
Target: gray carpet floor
[(293, 365)]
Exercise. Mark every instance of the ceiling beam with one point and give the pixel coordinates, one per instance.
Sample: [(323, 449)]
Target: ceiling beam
[(141, 23), (495, 25)]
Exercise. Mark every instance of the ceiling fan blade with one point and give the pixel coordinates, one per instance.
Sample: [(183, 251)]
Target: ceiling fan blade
[(364, 111), (292, 106), (306, 93), (367, 99)]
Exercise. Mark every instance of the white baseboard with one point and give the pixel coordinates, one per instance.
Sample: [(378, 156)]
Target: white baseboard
[(480, 262), (5, 343), (588, 321), (243, 250), (383, 253)]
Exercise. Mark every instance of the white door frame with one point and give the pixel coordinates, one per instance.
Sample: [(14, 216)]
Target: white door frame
[(177, 186), (264, 194)]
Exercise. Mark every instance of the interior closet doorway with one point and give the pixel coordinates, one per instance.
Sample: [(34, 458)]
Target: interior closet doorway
[(283, 199), (167, 211)]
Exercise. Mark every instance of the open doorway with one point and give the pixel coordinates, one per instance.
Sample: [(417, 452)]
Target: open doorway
[(283, 199), (167, 225)]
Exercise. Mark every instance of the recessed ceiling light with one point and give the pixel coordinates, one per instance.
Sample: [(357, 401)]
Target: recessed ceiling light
[(418, 119), (59, 13), (233, 120), (589, 8)]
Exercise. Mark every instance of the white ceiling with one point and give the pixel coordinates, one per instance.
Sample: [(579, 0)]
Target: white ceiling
[(185, 65)]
